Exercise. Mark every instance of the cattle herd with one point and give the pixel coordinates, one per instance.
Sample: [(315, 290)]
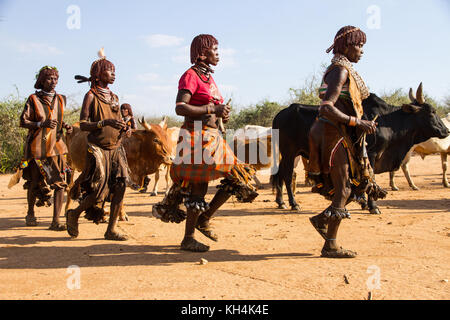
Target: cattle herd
[(402, 130)]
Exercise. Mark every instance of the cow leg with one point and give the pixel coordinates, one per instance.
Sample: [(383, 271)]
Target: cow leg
[(154, 193), (144, 184), (288, 182), (391, 181), (168, 184), (259, 185), (294, 182), (444, 169), (308, 181), (277, 184), (405, 168)]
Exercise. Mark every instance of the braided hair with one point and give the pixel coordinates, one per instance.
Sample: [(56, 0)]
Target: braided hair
[(97, 68), (200, 44), (43, 73), (347, 36)]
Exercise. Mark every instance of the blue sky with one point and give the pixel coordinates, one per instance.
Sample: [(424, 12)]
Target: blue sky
[(266, 47)]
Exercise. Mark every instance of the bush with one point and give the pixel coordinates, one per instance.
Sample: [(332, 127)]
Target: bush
[(398, 97), (12, 138), (262, 115), (171, 120), (308, 94)]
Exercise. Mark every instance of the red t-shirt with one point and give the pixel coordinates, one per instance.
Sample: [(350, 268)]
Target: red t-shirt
[(202, 92)]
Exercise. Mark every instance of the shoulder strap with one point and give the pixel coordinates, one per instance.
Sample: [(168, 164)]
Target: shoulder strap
[(37, 105)]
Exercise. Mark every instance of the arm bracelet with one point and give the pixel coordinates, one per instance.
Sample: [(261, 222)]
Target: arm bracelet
[(352, 121), (100, 124)]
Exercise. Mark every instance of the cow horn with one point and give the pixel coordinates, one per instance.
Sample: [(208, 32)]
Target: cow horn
[(411, 95), (419, 94), (145, 124), (163, 123)]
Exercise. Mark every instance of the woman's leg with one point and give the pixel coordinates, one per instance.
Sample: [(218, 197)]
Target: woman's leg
[(203, 225), (116, 205), (58, 198), (198, 192), (341, 181)]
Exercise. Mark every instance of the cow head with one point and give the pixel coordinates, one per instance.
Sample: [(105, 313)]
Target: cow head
[(428, 121), (159, 144)]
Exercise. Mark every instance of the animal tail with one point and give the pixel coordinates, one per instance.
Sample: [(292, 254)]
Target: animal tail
[(275, 181), (15, 178)]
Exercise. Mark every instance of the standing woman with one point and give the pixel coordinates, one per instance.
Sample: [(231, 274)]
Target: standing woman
[(336, 153), (106, 168), (45, 151), (202, 153)]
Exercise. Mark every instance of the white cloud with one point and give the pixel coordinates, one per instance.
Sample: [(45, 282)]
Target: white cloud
[(183, 55), (227, 88), (148, 77), (260, 61), (36, 48), (163, 88), (162, 40), (226, 56)]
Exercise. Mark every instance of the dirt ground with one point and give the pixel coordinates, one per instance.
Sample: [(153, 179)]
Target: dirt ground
[(263, 253)]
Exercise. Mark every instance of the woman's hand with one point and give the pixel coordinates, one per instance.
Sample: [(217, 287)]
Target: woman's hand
[(369, 127), (222, 110), (116, 124), (49, 124)]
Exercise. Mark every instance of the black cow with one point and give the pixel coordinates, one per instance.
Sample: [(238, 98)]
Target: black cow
[(399, 128)]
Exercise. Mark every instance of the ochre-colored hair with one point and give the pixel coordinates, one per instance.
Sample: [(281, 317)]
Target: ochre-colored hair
[(200, 44), (97, 68), (347, 36), (127, 107), (43, 74)]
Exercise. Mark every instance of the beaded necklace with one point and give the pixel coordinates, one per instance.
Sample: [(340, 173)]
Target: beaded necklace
[(113, 102), (203, 70), (342, 60)]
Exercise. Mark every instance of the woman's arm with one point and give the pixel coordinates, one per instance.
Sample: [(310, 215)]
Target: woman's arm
[(28, 116), (336, 79), (85, 125), (183, 108)]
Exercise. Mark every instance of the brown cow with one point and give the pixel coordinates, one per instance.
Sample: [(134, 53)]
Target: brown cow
[(173, 134), (146, 150)]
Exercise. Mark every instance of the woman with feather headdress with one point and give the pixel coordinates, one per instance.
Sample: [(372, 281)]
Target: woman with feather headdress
[(104, 177)]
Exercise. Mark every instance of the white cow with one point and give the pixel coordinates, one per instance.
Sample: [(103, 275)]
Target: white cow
[(433, 145), (262, 137)]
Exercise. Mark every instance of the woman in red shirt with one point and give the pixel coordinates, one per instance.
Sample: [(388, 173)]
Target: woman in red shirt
[(202, 154)]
